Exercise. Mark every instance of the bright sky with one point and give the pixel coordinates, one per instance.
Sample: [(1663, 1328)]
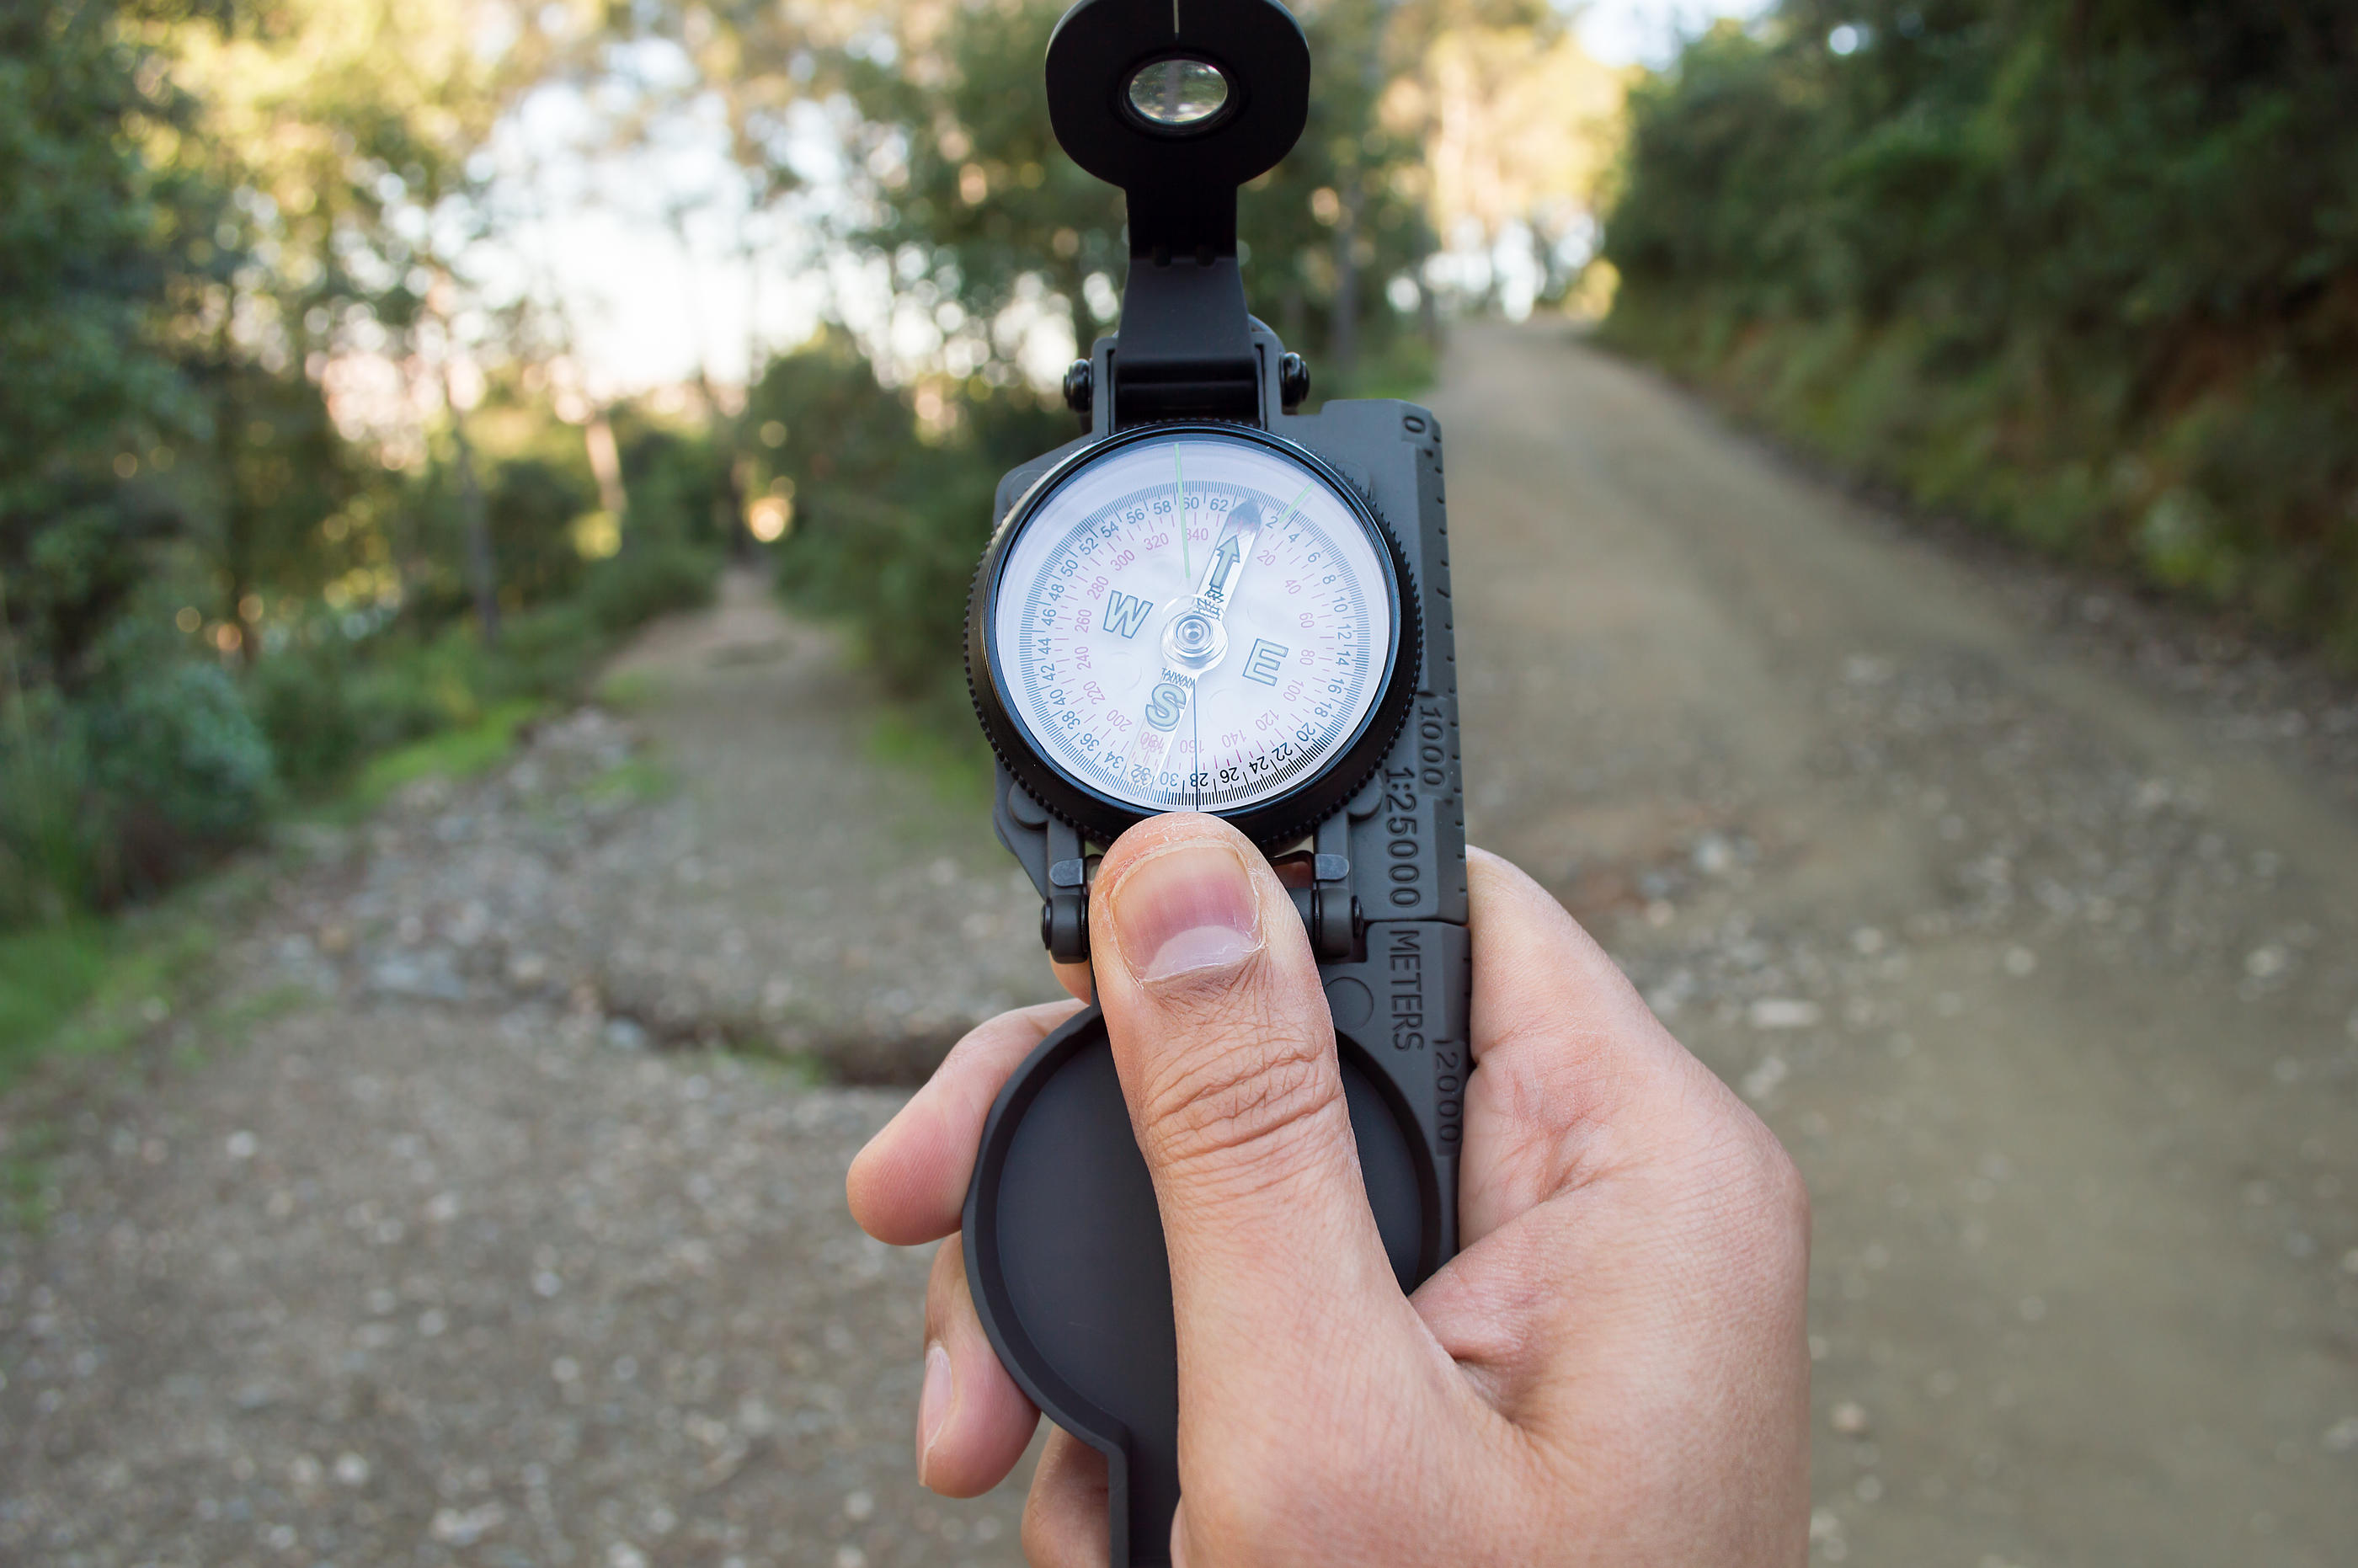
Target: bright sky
[(599, 234), (1647, 32)]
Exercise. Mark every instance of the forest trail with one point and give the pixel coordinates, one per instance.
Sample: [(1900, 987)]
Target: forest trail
[(2034, 934)]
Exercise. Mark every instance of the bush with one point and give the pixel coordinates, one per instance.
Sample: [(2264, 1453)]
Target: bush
[(888, 523), (327, 704), (121, 792), (529, 507), (304, 699), (178, 770), (646, 580)]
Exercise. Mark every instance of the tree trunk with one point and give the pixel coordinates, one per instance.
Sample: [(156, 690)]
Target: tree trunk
[(1343, 329), (729, 506), (606, 464), (482, 569), (236, 512)]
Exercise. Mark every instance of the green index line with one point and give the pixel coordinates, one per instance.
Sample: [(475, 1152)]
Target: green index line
[(1295, 510)]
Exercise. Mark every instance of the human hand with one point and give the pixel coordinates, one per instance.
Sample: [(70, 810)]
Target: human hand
[(1613, 1370)]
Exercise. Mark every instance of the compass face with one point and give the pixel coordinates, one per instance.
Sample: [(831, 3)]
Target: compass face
[(1194, 620)]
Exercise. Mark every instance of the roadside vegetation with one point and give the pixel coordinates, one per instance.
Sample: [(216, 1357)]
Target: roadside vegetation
[(2085, 270), (308, 488), (220, 601)]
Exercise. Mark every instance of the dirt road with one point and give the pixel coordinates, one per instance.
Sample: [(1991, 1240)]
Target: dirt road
[(2049, 979), (2029, 919)]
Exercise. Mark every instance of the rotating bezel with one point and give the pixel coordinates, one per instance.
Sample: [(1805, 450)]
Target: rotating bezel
[(1271, 822)]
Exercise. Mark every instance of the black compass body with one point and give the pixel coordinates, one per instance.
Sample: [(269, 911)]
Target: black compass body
[(1210, 603)]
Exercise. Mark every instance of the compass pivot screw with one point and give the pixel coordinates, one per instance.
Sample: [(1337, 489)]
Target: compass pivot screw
[(1080, 386), (1293, 381)]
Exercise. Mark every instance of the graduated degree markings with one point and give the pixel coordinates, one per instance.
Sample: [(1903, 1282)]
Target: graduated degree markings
[(1238, 673)]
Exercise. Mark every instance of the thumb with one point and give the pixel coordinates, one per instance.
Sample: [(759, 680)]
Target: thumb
[(1225, 1051)]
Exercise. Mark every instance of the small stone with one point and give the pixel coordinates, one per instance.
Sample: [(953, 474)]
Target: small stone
[(1783, 1012), (2020, 962), (2342, 1435), (241, 1145), (352, 1469), (1713, 856), (1849, 1417), (857, 1507), (1763, 1079)]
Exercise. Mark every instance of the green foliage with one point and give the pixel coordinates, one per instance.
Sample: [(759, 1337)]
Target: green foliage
[(646, 580), (175, 759), (889, 522), (985, 211), (2086, 269), (456, 753), (46, 972), (327, 704), (121, 792), (679, 488), (95, 244), (531, 505)]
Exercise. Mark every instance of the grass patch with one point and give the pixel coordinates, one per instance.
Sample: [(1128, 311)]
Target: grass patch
[(947, 750), (1404, 368), (142, 986), (454, 754), (639, 781), (46, 973), (25, 1172), (629, 691), (798, 1069)]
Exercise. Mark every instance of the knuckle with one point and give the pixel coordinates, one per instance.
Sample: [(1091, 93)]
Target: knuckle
[(1231, 1101)]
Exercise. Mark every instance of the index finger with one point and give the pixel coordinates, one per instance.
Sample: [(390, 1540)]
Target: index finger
[(908, 1185)]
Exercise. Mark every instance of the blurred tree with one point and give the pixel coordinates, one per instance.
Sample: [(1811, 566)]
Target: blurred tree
[(888, 517), (992, 231), (98, 247), (1520, 127), (356, 132)]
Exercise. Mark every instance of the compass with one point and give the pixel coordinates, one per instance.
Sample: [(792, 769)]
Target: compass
[(1193, 617), (1210, 601)]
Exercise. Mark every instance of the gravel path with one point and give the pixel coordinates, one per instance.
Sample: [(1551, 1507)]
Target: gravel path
[(2028, 914), (447, 1261)]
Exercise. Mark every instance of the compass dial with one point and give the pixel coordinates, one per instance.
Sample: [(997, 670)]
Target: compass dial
[(1192, 619)]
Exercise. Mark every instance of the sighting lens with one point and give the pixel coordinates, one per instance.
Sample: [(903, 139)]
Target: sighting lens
[(1178, 92)]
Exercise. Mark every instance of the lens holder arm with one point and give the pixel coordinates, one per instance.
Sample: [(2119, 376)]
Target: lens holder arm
[(1179, 103)]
